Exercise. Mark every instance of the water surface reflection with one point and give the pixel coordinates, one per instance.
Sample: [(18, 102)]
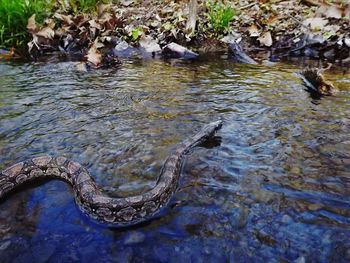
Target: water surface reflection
[(275, 187)]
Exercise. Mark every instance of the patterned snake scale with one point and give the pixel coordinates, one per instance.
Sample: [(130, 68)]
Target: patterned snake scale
[(116, 212)]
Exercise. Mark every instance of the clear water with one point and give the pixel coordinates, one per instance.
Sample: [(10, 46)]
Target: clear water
[(273, 186)]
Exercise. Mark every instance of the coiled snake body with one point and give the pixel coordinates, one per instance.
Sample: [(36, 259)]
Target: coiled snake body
[(117, 212)]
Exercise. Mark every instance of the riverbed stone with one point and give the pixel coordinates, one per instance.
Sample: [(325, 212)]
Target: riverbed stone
[(149, 45), (238, 55), (173, 50), (124, 50)]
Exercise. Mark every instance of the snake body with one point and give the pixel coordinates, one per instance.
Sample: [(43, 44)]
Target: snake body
[(117, 212)]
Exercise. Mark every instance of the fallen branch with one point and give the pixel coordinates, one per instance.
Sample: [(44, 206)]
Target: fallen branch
[(192, 17)]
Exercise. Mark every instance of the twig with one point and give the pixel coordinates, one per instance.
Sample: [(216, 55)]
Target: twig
[(247, 6), (298, 21)]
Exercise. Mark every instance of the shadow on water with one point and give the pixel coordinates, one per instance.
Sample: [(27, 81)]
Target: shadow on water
[(272, 185)]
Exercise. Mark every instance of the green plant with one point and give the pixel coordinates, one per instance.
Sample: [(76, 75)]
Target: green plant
[(136, 33), (14, 16), (220, 16), (2, 32)]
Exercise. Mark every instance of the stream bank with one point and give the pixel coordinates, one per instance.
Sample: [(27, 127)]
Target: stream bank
[(267, 30)]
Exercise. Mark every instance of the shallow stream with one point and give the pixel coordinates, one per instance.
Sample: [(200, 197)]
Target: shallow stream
[(272, 186)]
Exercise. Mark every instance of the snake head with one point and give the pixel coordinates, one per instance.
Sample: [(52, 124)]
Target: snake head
[(210, 129), (214, 126)]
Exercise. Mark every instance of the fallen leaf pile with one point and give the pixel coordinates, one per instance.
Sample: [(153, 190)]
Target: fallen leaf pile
[(70, 34), (277, 24)]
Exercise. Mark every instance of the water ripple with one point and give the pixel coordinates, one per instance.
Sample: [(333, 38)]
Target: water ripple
[(280, 167)]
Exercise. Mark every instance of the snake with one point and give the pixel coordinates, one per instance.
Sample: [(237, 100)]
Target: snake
[(101, 208)]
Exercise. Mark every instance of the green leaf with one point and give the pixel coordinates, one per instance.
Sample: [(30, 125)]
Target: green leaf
[(136, 33)]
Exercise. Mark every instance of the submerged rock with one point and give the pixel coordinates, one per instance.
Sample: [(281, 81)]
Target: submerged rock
[(173, 50), (237, 54), (109, 61), (309, 52), (124, 50), (149, 46), (314, 39), (330, 54), (334, 49)]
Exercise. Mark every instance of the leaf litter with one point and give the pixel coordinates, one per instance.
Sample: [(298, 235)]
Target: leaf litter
[(281, 26)]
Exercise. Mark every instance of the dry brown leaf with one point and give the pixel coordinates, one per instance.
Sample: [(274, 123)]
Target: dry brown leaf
[(97, 43), (7, 54), (102, 8), (65, 29), (31, 26), (50, 23), (82, 29), (66, 19), (266, 39), (46, 32), (106, 17), (253, 31), (347, 11), (94, 24), (80, 20), (105, 35), (109, 21), (94, 56), (272, 20)]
